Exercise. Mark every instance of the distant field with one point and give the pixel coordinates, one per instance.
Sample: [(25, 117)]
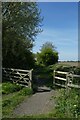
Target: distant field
[(77, 64)]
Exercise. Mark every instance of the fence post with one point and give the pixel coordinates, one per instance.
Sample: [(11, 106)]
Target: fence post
[(54, 78), (66, 84), (30, 81)]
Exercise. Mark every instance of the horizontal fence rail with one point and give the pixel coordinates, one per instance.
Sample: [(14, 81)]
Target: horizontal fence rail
[(66, 79), (19, 76)]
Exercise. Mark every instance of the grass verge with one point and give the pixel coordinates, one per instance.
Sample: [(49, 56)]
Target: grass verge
[(9, 102), (67, 106)]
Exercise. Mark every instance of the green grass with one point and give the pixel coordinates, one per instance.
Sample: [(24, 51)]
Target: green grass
[(8, 87), (10, 101), (68, 104)]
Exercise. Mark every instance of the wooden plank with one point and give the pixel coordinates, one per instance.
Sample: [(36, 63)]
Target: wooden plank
[(74, 86), (54, 77), (60, 85), (22, 85), (20, 70), (60, 78), (67, 75), (23, 82), (78, 76), (23, 77), (61, 72), (15, 77)]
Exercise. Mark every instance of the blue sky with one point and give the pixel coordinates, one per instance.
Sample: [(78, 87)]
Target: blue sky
[(60, 26)]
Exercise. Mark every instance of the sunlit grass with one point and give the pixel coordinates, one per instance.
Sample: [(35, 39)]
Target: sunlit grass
[(9, 102)]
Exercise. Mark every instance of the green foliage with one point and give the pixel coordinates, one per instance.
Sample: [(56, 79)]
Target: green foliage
[(11, 100), (42, 75), (20, 25), (63, 68), (26, 91), (48, 45), (48, 55), (10, 88), (68, 104)]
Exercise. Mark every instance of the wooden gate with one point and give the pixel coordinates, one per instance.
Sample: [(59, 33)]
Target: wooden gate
[(19, 76)]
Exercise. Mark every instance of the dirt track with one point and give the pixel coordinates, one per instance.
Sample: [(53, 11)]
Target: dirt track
[(39, 103)]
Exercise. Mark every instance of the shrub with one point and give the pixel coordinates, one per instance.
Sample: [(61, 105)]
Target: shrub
[(10, 88), (68, 104), (26, 91)]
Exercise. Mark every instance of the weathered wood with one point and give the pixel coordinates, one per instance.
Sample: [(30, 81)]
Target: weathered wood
[(78, 76), (60, 78), (68, 80), (54, 78), (61, 72), (74, 86), (60, 85), (18, 75)]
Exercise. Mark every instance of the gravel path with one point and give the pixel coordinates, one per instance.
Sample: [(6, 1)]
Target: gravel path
[(39, 103)]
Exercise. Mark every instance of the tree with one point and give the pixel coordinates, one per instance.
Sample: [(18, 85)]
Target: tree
[(48, 54), (48, 45), (20, 25)]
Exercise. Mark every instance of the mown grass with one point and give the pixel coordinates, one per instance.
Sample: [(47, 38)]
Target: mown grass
[(10, 101)]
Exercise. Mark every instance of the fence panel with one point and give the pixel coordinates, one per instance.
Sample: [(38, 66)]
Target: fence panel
[(66, 79)]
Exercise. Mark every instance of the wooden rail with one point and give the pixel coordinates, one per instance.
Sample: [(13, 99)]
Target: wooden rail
[(66, 80), (19, 76)]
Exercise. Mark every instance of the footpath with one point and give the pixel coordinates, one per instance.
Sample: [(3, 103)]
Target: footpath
[(39, 103)]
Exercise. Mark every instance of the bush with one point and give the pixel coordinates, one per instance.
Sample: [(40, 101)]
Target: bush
[(26, 91), (68, 104), (10, 88), (10, 102), (48, 55), (67, 68)]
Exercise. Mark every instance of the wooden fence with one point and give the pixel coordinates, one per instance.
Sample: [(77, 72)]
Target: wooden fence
[(22, 77), (66, 79)]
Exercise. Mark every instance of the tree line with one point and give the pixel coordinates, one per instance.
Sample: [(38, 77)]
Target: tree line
[(21, 23)]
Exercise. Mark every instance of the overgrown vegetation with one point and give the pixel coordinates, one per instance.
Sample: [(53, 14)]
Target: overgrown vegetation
[(42, 76), (68, 104), (11, 100), (8, 87)]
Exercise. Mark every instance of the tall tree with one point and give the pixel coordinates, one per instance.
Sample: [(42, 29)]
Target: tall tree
[(48, 54), (20, 25)]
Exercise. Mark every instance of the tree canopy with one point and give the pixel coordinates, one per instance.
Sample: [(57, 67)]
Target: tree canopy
[(48, 54), (21, 22), (48, 45)]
